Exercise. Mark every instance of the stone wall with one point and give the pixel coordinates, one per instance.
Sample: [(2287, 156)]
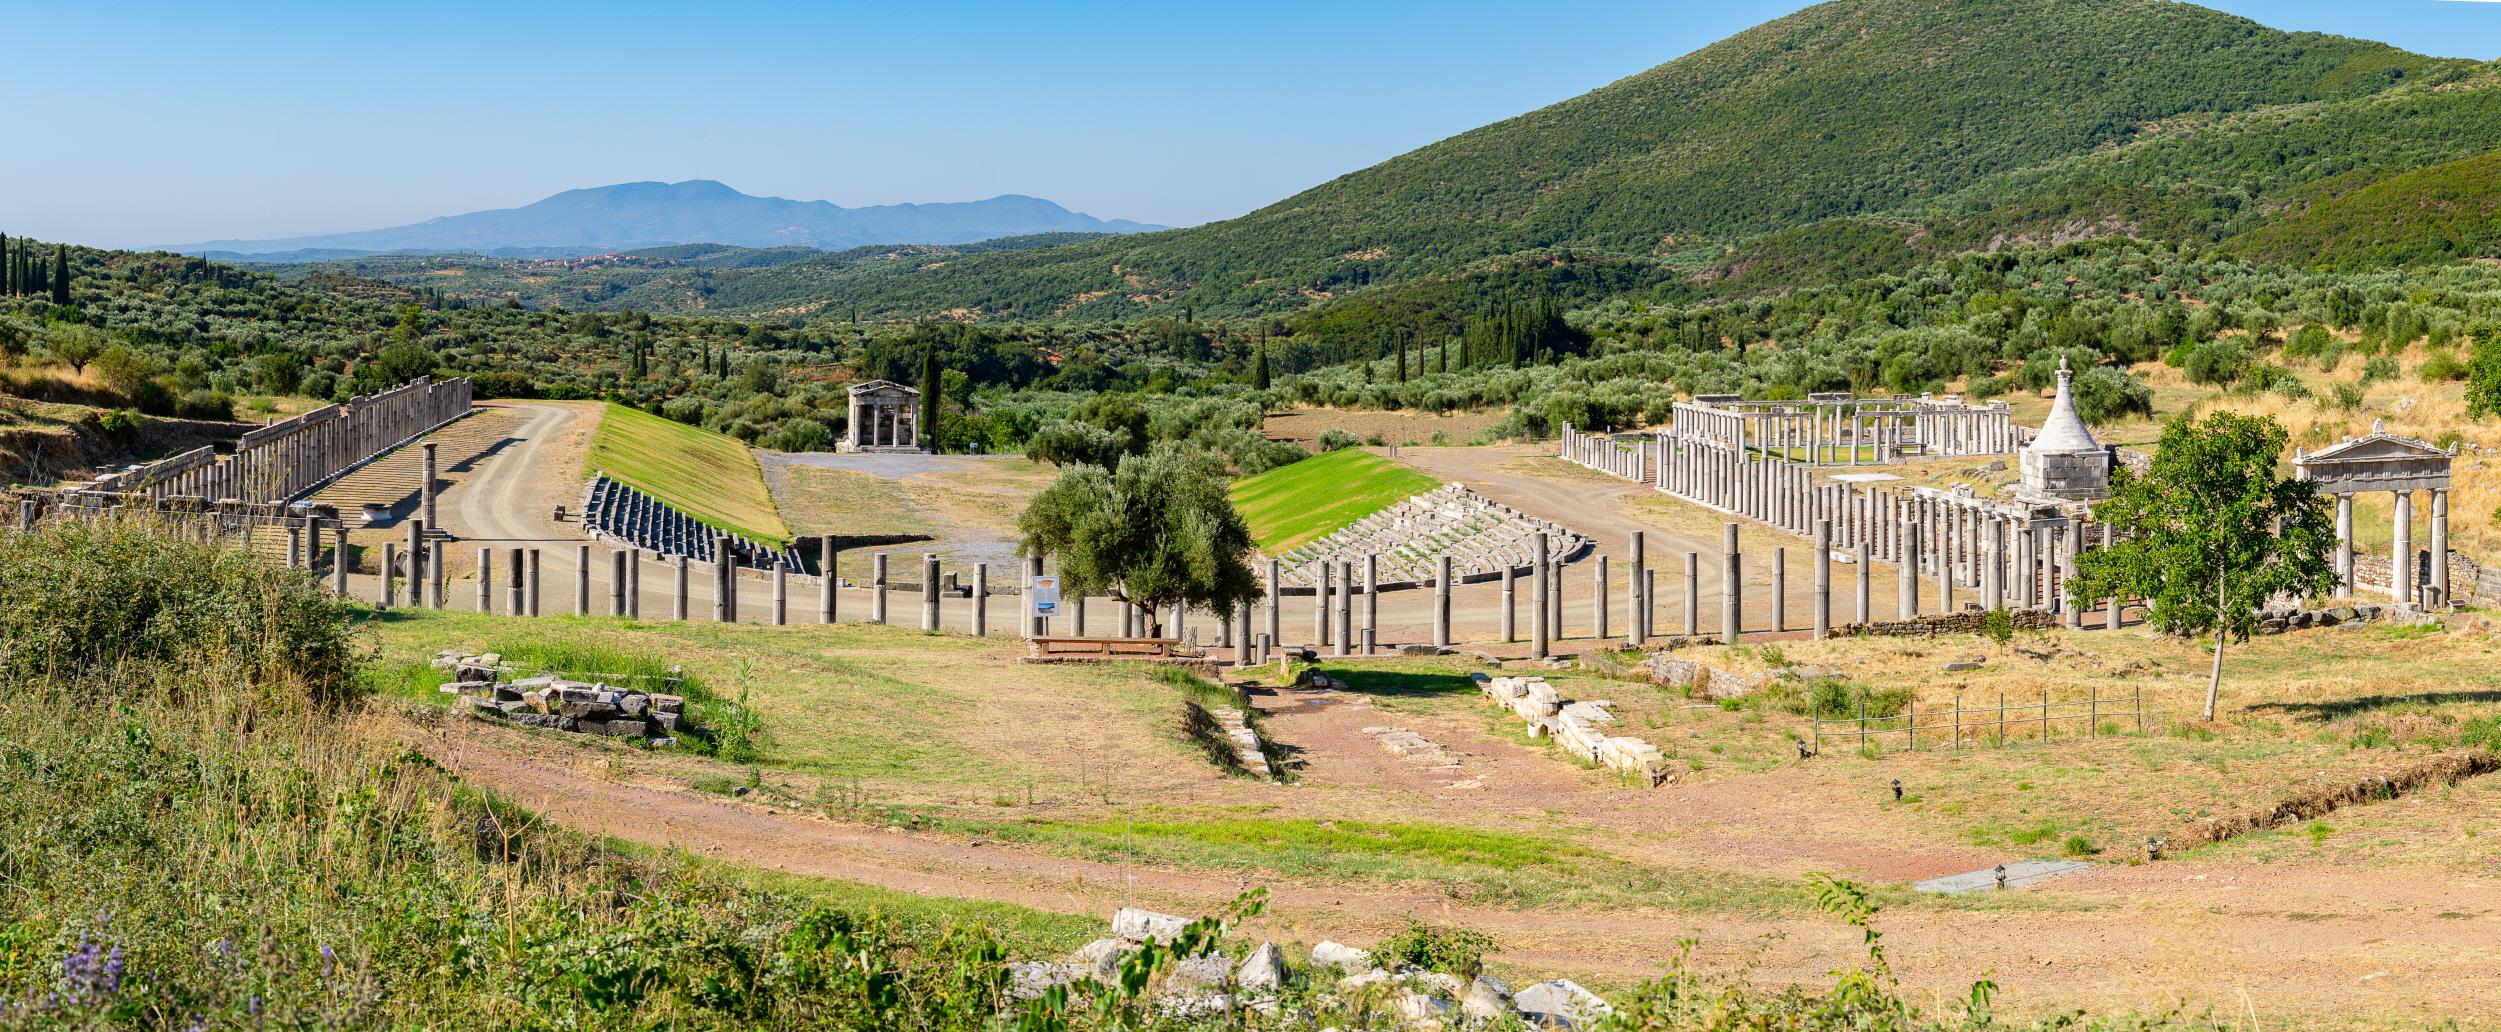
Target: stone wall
[(1969, 622)]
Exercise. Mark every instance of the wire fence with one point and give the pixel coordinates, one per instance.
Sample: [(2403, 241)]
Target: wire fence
[(1993, 726)]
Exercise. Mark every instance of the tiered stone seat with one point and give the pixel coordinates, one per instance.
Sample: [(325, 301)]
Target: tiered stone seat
[(617, 510), (1480, 535)]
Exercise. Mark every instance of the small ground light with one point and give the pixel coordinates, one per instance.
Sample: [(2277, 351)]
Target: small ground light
[(1897, 790)]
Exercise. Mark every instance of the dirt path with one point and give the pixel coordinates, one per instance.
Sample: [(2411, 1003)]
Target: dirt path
[(2298, 943)]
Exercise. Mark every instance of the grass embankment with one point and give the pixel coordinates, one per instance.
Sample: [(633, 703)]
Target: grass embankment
[(1293, 504), (708, 476)]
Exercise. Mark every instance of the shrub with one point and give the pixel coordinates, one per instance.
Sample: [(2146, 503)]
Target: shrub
[(2380, 367), (122, 426), (2442, 367), (92, 598), (202, 403), (1338, 440), (1451, 951)]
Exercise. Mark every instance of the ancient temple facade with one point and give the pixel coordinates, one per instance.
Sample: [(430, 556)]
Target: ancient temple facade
[(885, 417)]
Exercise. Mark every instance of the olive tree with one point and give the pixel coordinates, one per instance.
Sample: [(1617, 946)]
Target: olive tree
[(1156, 531), (2211, 531)]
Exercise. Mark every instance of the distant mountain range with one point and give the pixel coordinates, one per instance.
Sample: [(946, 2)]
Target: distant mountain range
[(631, 216)]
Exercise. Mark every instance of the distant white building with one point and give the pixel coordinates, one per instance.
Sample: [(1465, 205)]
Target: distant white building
[(885, 417)]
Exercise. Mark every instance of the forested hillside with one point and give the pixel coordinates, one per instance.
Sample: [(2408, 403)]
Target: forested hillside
[(1845, 109)]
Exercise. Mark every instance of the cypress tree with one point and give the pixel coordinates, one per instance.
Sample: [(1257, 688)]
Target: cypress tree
[(931, 388), (8, 273), (1402, 359), (1259, 365)]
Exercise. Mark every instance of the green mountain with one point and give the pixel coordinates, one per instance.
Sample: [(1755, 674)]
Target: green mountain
[(1844, 110)]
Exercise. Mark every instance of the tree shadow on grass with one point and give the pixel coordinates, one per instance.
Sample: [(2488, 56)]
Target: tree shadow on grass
[(2322, 712), (1401, 684)]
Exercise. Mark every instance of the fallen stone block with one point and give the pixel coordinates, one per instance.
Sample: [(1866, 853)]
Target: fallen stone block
[(1561, 1003), (1101, 958), (1135, 925), (1488, 1000), (1264, 969), (1028, 980), (1342, 957), (1199, 974)]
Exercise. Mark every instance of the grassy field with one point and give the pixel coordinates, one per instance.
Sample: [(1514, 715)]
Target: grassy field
[(705, 475), (1293, 504)]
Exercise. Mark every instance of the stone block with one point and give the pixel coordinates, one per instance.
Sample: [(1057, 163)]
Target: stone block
[(1137, 925), (1101, 958), (1206, 972), (1487, 1001), (1561, 1003), (667, 703), (1342, 957), (1028, 980), (1264, 969)]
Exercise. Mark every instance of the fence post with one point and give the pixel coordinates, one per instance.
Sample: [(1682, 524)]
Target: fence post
[(2045, 715), (1819, 733), (1911, 708), (2001, 720), (1958, 721), (1862, 722), (2140, 709), (2093, 715), (390, 590)]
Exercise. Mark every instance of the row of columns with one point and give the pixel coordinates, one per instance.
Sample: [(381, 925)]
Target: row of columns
[(1850, 431), (2431, 588), (284, 459)]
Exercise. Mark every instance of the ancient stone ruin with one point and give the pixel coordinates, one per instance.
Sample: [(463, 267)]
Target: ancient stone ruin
[(549, 701), (1574, 725), (615, 509), (1481, 536), (1213, 984)]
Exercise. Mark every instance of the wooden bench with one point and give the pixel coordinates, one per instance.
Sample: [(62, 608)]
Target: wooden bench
[(1048, 647)]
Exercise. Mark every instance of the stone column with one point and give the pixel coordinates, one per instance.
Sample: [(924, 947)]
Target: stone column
[(981, 599), (633, 583), (1441, 602), (616, 582), (2440, 547), (581, 580), (1731, 588), (2401, 553), (295, 546), (2344, 546), (1242, 636), (829, 584), (2113, 618), (1780, 588), (2071, 544), (416, 549), (390, 576), (1598, 603), (1906, 596), (929, 591), (2025, 586), (1992, 563), (1945, 561), (1637, 585), (1864, 597), (519, 604), (1542, 629), (535, 582), (1276, 602), (1510, 607), (679, 607), (434, 574), (338, 557), (486, 580), (1372, 596), (1823, 577), (1035, 623), (877, 588), (1320, 605), (1345, 626), (425, 487), (781, 595), (1693, 594), (730, 562)]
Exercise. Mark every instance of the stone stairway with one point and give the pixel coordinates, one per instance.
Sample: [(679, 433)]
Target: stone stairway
[(1479, 535)]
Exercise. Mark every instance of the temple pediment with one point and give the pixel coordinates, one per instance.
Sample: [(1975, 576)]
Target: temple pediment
[(2378, 461)]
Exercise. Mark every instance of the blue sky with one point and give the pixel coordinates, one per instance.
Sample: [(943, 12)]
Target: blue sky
[(154, 123)]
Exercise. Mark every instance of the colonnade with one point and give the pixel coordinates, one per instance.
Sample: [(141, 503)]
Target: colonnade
[(282, 460), (1842, 430)]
